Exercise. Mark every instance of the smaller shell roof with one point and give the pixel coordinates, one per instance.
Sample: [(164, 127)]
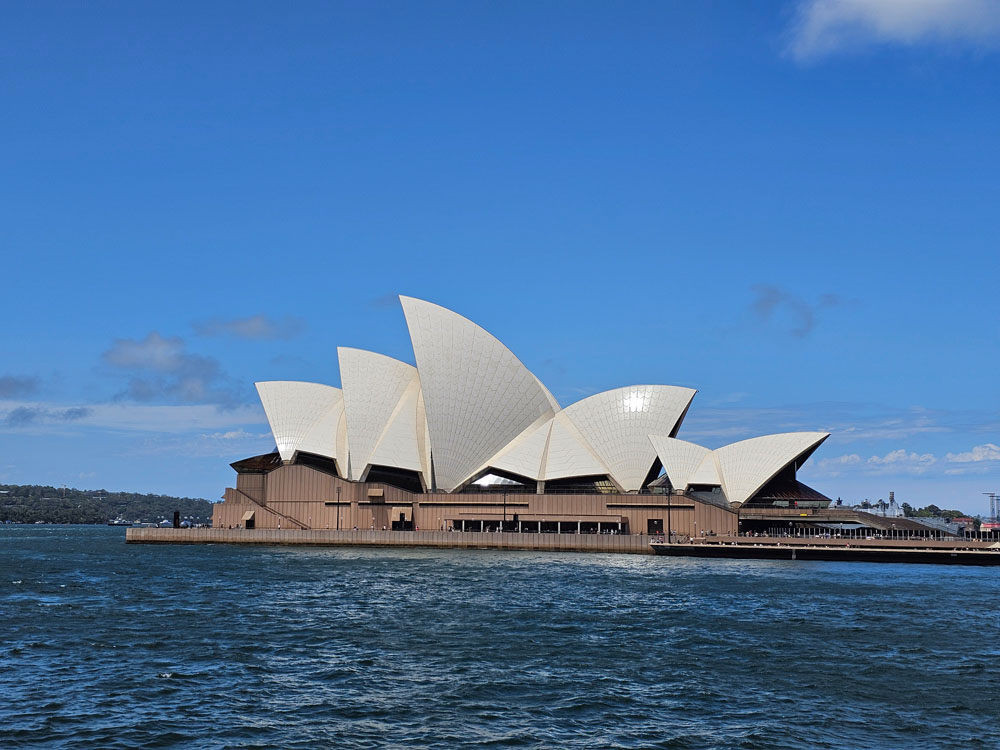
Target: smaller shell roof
[(568, 454), (525, 454), (741, 468), (680, 458), (617, 425), (749, 464), (707, 472), (303, 416)]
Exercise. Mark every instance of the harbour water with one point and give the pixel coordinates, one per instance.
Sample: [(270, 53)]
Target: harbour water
[(108, 645)]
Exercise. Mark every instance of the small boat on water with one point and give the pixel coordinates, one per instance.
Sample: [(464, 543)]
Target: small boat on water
[(119, 522)]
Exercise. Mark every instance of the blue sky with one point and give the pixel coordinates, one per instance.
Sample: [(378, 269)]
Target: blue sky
[(791, 206)]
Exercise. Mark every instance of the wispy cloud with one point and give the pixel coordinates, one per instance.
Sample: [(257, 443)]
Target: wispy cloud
[(849, 423), (836, 463), (123, 416), (891, 424), (226, 444), (896, 462), (771, 301), (17, 386), (22, 416), (715, 426), (258, 327), (825, 27), (161, 368), (726, 399), (173, 418), (846, 421)]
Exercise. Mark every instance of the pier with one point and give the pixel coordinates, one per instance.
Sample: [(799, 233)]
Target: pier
[(614, 543), (966, 552)]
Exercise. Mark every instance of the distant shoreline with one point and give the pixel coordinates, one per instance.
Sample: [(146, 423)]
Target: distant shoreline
[(33, 503)]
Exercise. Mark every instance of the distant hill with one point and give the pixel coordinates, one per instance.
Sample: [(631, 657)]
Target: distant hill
[(29, 503)]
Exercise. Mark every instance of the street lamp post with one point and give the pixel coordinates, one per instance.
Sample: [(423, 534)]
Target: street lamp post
[(338, 508)]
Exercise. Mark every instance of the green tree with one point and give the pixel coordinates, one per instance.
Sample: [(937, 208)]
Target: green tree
[(31, 503)]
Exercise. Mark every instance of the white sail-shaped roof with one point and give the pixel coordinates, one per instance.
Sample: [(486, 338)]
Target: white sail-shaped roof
[(477, 395), (300, 414), (617, 424), (749, 464), (471, 405), (568, 454), (373, 386), (423, 439), (707, 472), (321, 438), (680, 458), (398, 447), (525, 453)]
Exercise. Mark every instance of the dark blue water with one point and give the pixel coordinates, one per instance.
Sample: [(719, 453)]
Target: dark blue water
[(104, 645)]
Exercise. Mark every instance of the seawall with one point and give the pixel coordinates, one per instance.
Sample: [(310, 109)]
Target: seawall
[(633, 544), (614, 543)]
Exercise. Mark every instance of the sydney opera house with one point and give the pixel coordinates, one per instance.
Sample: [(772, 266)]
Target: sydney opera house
[(471, 440)]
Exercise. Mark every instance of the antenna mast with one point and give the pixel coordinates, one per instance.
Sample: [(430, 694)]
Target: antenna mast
[(994, 506)]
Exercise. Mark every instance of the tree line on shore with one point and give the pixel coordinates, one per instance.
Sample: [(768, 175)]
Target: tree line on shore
[(931, 511), (928, 511), (32, 503)]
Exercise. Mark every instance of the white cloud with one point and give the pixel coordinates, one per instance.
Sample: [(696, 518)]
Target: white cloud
[(903, 458), (979, 454), (832, 464), (824, 27), (899, 461), (236, 435)]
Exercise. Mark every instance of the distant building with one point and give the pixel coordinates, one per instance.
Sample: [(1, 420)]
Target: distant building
[(882, 508)]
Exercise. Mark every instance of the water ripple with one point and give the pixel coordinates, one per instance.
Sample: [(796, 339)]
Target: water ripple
[(112, 646)]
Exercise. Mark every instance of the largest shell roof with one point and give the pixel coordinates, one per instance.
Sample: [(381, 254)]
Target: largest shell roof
[(471, 407)]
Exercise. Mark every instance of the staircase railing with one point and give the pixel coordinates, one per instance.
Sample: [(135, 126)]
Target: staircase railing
[(269, 509)]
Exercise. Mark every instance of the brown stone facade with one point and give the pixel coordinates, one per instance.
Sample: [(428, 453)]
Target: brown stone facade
[(296, 496)]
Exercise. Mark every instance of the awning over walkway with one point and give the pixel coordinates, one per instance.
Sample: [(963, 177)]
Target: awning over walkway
[(248, 516)]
